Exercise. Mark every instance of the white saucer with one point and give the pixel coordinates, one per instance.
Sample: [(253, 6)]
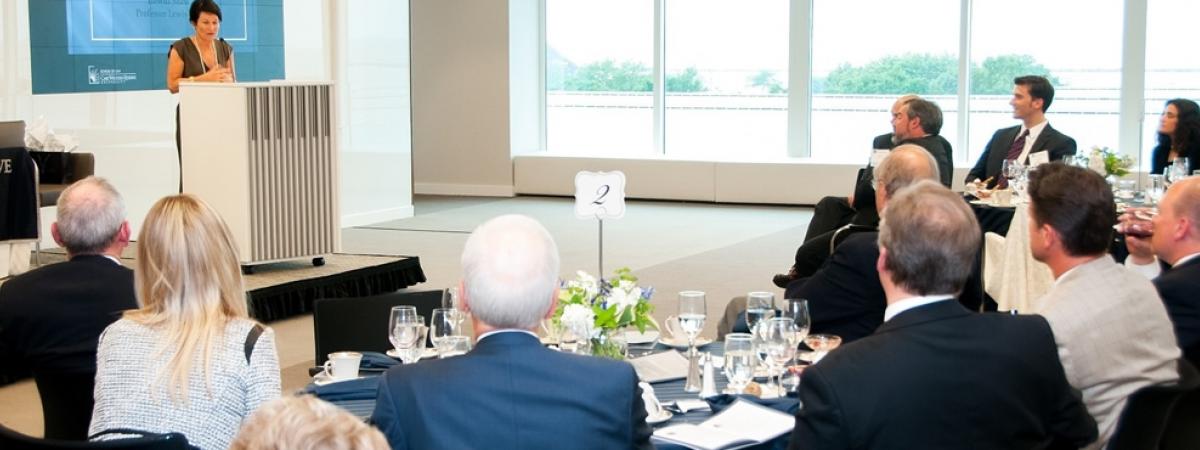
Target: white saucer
[(323, 378), (428, 353), (682, 344), (634, 337), (662, 416)]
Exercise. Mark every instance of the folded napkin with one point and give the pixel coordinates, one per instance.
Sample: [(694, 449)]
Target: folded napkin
[(787, 405), (377, 361), (364, 388)]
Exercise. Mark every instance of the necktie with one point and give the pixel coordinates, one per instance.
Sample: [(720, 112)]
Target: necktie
[(1014, 152)]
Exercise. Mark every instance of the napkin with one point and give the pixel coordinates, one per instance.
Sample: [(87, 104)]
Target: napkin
[(365, 388), (375, 361), (787, 405)]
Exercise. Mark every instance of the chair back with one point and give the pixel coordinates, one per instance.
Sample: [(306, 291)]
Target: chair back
[(1183, 428), (66, 404), (360, 323), (1149, 410), (12, 440)]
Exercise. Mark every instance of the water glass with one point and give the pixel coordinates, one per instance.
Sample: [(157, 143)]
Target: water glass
[(759, 306), (403, 326), (692, 312), (780, 347), (441, 326), (414, 352), (454, 346), (1154, 192), (740, 360)]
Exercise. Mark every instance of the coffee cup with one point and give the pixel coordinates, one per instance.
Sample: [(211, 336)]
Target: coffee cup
[(343, 365)]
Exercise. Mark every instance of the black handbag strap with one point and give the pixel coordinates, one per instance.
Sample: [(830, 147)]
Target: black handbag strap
[(252, 339)]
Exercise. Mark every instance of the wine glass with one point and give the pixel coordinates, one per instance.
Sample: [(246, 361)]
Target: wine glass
[(759, 306), (740, 359), (1156, 189), (1012, 169), (1177, 170), (691, 315), (822, 344), (454, 346), (441, 327), (413, 353), (780, 346), (403, 326), (797, 310), (451, 301)]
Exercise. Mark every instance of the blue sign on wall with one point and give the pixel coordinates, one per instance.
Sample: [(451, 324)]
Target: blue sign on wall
[(122, 45)]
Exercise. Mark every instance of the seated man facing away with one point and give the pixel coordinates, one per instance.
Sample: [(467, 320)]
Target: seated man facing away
[(914, 121), (844, 296), (1031, 98), (51, 317), (510, 392), (305, 423), (1176, 242), (936, 375), (1112, 331)]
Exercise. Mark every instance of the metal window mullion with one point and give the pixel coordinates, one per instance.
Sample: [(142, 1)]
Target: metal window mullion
[(1133, 79), (659, 73), (964, 81), (542, 144), (799, 109)]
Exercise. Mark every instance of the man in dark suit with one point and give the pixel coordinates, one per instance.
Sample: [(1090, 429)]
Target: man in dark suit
[(510, 392), (935, 375), (1031, 98), (914, 121), (52, 317), (1176, 242)]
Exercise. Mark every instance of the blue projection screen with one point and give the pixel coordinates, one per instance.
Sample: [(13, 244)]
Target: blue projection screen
[(122, 45)]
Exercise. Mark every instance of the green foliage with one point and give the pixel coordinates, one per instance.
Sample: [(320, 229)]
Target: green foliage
[(766, 79), (995, 75), (927, 74), (627, 76)]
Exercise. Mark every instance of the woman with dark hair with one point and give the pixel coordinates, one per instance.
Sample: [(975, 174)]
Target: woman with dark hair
[(199, 57), (1178, 136)]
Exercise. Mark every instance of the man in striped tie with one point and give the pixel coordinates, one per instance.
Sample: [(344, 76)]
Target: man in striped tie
[(1031, 98)]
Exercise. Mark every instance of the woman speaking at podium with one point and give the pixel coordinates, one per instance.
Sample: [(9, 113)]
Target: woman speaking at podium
[(199, 57)]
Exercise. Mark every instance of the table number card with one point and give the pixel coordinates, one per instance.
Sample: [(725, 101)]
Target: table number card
[(600, 195)]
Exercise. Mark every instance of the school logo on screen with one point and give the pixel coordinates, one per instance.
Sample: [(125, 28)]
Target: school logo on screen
[(98, 76)]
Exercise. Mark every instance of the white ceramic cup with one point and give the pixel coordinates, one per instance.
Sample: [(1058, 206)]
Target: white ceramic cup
[(343, 365)]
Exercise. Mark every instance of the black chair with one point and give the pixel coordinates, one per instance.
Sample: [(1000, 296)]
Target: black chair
[(12, 440), (1183, 429), (66, 404), (1148, 411), (360, 324)]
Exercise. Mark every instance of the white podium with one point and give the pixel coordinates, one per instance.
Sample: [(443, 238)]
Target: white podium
[(265, 156)]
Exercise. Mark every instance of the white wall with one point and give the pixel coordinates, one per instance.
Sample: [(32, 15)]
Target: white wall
[(461, 97), (132, 133)]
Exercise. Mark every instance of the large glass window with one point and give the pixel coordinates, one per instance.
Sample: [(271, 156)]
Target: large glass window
[(862, 62), (599, 62), (1076, 43), (726, 79), (1172, 69)]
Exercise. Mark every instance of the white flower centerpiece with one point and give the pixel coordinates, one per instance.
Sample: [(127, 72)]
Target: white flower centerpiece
[(595, 310)]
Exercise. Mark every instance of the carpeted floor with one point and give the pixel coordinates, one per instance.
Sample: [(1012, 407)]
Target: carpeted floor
[(724, 250)]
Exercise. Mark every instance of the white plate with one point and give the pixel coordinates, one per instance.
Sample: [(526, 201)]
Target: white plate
[(428, 353), (323, 378), (682, 344), (634, 337), (662, 416), (988, 203)]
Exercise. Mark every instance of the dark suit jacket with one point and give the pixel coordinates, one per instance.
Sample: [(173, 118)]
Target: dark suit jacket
[(941, 377), (845, 297), (510, 392), (51, 317), (864, 187), (1179, 288), (1058, 144)]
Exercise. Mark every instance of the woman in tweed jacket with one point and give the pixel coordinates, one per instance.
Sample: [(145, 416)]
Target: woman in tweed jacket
[(180, 363)]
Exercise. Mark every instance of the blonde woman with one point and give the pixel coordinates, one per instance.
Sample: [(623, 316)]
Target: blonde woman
[(189, 360), (306, 423)]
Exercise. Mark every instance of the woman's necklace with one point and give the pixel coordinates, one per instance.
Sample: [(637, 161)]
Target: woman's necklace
[(204, 65)]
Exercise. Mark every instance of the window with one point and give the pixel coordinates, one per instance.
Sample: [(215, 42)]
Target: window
[(862, 62), (1076, 43), (1172, 70), (599, 99), (726, 79)]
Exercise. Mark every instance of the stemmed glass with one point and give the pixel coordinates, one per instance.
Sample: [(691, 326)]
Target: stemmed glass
[(441, 327), (759, 306), (1157, 188), (1177, 170), (797, 310), (692, 312), (740, 359), (404, 327), (780, 344), (451, 301), (1012, 170), (413, 352), (822, 344)]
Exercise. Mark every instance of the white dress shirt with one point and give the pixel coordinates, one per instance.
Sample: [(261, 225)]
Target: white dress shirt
[(912, 302), (1153, 269), (509, 330), (1034, 132)]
